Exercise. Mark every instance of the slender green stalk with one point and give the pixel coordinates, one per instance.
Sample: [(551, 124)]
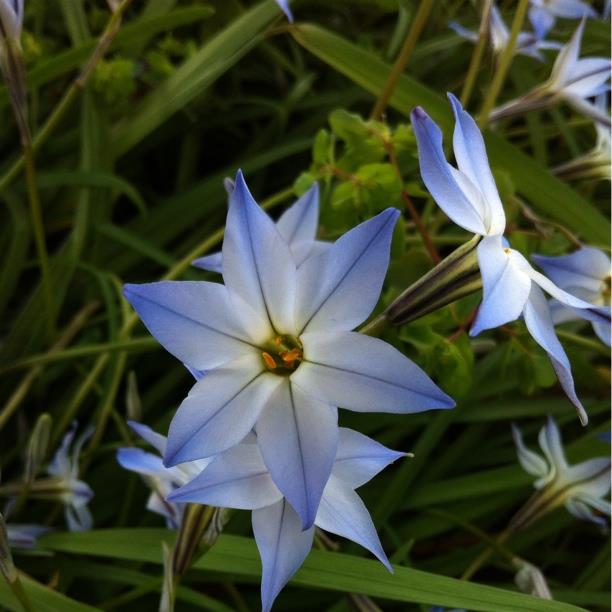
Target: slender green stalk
[(504, 63), (476, 60), (71, 94), (589, 343), (20, 594), (402, 59), (39, 235)]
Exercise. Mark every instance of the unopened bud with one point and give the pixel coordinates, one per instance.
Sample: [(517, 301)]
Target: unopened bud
[(132, 399), (37, 447)]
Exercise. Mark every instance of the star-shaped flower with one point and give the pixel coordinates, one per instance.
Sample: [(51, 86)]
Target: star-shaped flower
[(275, 341), (239, 478), (161, 479), (573, 79), (64, 470), (298, 226), (511, 287), (528, 43), (584, 273), (580, 488)]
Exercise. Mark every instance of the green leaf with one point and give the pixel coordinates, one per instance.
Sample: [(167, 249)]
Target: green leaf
[(334, 571), (549, 195), (196, 74), (42, 598)]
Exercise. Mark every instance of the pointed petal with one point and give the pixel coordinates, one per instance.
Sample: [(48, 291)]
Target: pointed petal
[(472, 160), (587, 76), (299, 223), (582, 511), (440, 180), (236, 478), (211, 263), (571, 9), (360, 458), (566, 60), (541, 327), (298, 438), (193, 320), (141, 462), (587, 268), (586, 108), (60, 464), (365, 374), (552, 447), (283, 547), (531, 462), (257, 262), (505, 285), (591, 478), (157, 441), (284, 4), (339, 289), (220, 410), (541, 20), (463, 32), (604, 332), (342, 512)]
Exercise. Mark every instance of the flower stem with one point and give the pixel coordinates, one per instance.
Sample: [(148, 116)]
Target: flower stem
[(476, 60), (70, 96), (402, 59), (504, 63)]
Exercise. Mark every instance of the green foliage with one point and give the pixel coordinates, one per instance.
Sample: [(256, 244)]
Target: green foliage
[(130, 178)]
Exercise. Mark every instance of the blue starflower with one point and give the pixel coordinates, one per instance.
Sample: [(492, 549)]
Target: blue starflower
[(73, 492), (581, 488), (528, 43), (511, 287), (584, 273), (161, 479), (275, 341), (239, 478), (298, 226)]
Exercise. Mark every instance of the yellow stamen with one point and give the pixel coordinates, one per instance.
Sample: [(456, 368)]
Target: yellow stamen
[(269, 361), (290, 356)]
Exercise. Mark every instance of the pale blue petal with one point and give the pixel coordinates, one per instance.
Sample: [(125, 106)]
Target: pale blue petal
[(365, 374), (78, 519), (191, 319), (440, 177), (591, 478), (257, 263), (284, 4), (342, 512), (298, 438), (582, 511), (219, 411), (24, 535), (463, 32), (141, 462), (505, 285), (566, 59), (541, 20), (283, 547), (156, 440), (78, 447), (236, 478), (531, 462), (60, 464), (541, 327), (171, 512), (590, 110), (551, 445), (338, 289), (472, 160), (211, 263), (586, 77), (587, 268), (571, 9), (604, 332), (360, 458), (298, 225)]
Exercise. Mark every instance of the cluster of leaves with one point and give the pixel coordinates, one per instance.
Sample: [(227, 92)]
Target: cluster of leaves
[(131, 182)]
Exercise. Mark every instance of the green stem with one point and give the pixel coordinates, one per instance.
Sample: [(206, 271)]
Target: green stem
[(504, 63), (589, 343), (476, 60), (39, 234), (20, 594), (402, 59), (72, 93)]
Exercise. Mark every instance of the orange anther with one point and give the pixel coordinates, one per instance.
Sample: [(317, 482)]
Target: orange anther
[(290, 356), (269, 360)]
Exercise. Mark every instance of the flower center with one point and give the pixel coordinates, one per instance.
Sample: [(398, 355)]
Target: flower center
[(282, 355)]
